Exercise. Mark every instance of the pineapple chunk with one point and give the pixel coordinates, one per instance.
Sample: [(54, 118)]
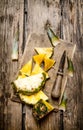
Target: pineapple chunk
[(47, 51), (37, 69), (48, 63), (39, 58), (26, 69), (33, 99), (41, 109)]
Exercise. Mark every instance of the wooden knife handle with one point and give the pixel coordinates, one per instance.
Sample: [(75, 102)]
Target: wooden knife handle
[(56, 91)]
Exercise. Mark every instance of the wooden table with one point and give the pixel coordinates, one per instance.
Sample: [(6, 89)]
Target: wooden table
[(65, 17)]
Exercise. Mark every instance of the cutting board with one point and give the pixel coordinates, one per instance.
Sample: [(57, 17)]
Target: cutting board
[(35, 40)]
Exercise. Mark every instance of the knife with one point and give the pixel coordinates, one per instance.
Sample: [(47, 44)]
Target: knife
[(56, 90)]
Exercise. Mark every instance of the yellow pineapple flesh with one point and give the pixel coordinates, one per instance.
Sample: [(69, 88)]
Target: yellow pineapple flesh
[(33, 99), (26, 69), (48, 63), (47, 51), (38, 58)]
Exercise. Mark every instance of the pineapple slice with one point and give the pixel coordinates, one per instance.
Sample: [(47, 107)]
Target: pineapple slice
[(48, 63), (47, 51), (30, 85), (37, 69), (41, 109), (33, 99), (39, 58), (26, 69)]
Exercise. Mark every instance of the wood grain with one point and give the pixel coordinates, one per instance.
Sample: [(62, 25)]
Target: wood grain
[(66, 18), (11, 12)]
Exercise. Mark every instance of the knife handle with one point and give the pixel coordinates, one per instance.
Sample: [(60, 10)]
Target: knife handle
[(56, 91)]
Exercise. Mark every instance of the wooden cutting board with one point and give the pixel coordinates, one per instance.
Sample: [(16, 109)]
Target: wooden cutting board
[(35, 40)]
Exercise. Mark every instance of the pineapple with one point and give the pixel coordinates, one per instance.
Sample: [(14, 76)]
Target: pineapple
[(38, 58), (48, 63), (33, 99), (41, 109), (37, 69), (47, 51), (30, 85), (26, 69)]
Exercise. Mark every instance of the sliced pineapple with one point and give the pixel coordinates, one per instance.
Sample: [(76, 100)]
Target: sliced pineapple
[(41, 109), (47, 51), (39, 58), (26, 69), (30, 85), (37, 69), (33, 99), (48, 63)]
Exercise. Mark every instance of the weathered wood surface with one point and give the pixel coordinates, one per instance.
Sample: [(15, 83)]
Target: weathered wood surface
[(65, 17), (11, 12)]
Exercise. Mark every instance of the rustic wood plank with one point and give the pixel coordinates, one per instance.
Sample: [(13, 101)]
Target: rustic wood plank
[(71, 30), (11, 113), (2, 76), (63, 15), (41, 11)]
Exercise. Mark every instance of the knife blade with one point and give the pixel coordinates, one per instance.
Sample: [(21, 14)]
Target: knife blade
[(56, 90)]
